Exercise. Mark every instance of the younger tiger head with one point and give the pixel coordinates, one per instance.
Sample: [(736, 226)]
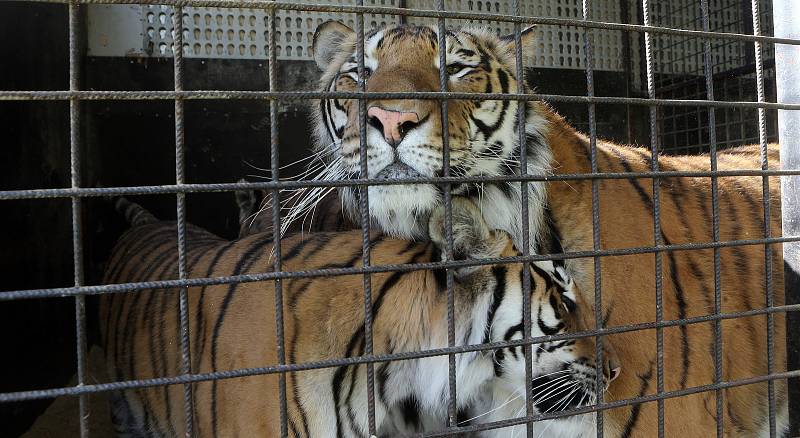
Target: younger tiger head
[(563, 371), (404, 137)]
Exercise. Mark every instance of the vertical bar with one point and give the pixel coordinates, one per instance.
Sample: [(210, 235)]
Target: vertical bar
[(77, 217), (526, 245), (401, 4), (786, 16), (180, 165), (627, 66), (452, 412), (657, 241), (712, 139), (598, 297), (365, 229), (762, 138), (276, 219)]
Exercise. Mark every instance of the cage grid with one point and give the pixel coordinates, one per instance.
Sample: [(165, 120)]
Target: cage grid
[(681, 75), (712, 57)]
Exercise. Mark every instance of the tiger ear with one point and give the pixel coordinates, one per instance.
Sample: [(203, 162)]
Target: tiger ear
[(328, 41), (472, 237), (527, 38)]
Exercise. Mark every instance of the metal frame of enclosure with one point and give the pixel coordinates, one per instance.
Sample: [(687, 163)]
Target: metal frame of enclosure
[(787, 40)]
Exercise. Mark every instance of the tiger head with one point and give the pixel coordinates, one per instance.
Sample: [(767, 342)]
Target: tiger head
[(563, 371), (403, 138)]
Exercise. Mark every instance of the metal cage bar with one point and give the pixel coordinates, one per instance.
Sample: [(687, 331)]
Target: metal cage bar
[(180, 198), (762, 137), (246, 278), (245, 372), (426, 95), (452, 393), (86, 192), (712, 139), (657, 236), (220, 375), (74, 24), (598, 291), (525, 217), (276, 222), (363, 206)]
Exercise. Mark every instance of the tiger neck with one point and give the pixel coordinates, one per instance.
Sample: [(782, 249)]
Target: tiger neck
[(569, 202), (552, 147)]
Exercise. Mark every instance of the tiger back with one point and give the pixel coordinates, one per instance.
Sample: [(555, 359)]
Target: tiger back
[(233, 326)]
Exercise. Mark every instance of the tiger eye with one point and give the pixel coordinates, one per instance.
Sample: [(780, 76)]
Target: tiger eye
[(453, 69)]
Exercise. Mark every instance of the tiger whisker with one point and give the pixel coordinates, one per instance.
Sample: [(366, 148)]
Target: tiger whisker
[(300, 205), (553, 392), (306, 204), (557, 407), (510, 399), (312, 157), (516, 415)]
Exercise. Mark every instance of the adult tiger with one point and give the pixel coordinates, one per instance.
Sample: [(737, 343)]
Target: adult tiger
[(404, 139), (233, 327)]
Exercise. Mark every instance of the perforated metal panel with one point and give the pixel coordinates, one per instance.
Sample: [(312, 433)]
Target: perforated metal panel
[(557, 46), (241, 33)]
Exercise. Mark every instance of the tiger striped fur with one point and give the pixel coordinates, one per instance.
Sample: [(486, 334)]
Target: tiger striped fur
[(233, 326), (404, 140)]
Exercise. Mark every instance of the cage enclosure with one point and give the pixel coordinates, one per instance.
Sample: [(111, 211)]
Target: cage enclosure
[(171, 104)]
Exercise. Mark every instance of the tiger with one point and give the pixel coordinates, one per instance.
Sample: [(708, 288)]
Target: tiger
[(404, 140), (233, 326)]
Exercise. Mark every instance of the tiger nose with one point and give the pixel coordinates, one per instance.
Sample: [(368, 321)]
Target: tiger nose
[(393, 124)]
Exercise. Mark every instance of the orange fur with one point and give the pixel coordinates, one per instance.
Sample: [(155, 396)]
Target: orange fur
[(626, 221), (628, 282), (234, 326)]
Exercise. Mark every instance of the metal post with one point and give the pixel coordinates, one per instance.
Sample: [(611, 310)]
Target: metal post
[(786, 17)]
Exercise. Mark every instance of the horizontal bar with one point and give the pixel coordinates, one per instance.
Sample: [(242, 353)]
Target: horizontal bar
[(10, 397), (12, 95), (616, 404), (87, 192), (267, 276), (291, 6)]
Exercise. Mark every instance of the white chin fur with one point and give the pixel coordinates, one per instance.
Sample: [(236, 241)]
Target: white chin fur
[(399, 209)]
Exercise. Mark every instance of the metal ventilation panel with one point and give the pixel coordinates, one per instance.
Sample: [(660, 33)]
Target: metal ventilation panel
[(227, 33), (230, 33), (556, 46)]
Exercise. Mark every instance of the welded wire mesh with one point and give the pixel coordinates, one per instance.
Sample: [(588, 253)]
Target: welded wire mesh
[(659, 98), (681, 74)]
